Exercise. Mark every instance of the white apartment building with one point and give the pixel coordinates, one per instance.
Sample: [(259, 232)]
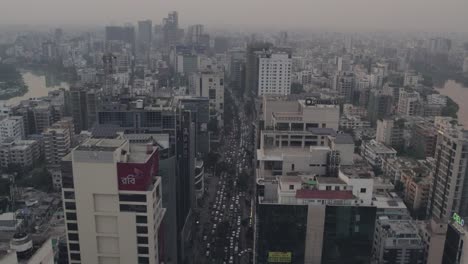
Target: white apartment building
[(437, 99), (274, 73), (112, 200), (11, 127), (210, 84), (408, 103)]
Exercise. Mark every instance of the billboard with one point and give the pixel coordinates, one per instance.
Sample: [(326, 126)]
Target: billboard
[(279, 257), (137, 176)]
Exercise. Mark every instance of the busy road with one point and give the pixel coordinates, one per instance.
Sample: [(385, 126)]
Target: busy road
[(224, 227)]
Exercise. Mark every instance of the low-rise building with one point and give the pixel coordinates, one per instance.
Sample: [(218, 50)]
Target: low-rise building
[(375, 152)]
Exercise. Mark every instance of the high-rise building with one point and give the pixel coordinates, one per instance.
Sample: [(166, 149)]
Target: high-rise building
[(409, 103), (237, 69), (274, 73), (194, 33), (170, 28), (251, 70), (456, 242), (125, 34), (112, 202), (210, 84), (57, 144), (439, 45), (344, 83), (84, 107), (397, 241), (24, 153), (380, 105), (465, 65), (449, 189), (391, 132), (144, 40)]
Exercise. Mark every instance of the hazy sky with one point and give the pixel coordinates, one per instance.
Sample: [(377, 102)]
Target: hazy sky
[(431, 15)]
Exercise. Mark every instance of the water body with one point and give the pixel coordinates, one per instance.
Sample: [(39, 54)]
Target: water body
[(39, 85), (459, 95)]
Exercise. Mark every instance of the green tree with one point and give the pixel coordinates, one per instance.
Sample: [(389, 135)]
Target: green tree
[(297, 88)]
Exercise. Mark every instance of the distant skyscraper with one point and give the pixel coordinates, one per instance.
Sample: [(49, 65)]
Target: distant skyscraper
[(84, 108), (194, 34), (125, 34), (145, 34), (344, 83), (170, 27)]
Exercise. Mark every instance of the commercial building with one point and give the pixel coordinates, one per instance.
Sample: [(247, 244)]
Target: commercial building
[(416, 190), (310, 219), (449, 192), (124, 34), (397, 241), (375, 152), (274, 73), (170, 29), (433, 235), (83, 107), (251, 65), (113, 202), (283, 113), (411, 79), (144, 39), (456, 241), (424, 138)]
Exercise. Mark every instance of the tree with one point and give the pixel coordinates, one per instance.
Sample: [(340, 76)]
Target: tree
[(451, 109), (297, 88)]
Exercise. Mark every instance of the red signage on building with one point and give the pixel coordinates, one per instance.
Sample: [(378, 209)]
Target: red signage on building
[(137, 176)]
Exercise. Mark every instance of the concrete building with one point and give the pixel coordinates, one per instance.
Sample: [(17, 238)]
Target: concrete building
[(210, 84), (11, 127), (83, 107), (252, 65), (299, 115), (433, 235), (437, 99), (416, 190), (391, 132), (57, 144), (409, 103), (23, 153), (424, 138), (348, 122), (397, 241), (456, 242), (237, 69), (345, 83), (411, 79), (380, 105), (465, 64), (449, 193), (375, 152), (274, 73), (23, 250), (310, 219), (113, 202)]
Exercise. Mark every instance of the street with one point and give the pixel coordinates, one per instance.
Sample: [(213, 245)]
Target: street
[(224, 229)]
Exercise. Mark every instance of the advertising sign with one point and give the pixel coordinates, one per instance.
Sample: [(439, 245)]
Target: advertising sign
[(137, 176), (279, 257)]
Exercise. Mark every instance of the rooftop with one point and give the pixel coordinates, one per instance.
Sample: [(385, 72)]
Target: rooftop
[(96, 144), (344, 139), (317, 194), (357, 171), (329, 180)]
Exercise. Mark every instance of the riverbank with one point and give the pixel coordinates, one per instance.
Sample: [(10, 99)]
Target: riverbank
[(458, 94), (11, 82)]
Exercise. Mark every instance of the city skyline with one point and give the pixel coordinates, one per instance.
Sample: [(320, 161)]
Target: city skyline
[(358, 15)]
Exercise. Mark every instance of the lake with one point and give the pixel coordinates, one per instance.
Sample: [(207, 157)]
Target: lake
[(459, 95), (38, 86)]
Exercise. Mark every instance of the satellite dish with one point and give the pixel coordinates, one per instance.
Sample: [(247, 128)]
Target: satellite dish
[(310, 101)]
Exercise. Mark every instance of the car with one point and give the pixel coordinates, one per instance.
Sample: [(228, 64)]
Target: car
[(207, 253), (205, 238)]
